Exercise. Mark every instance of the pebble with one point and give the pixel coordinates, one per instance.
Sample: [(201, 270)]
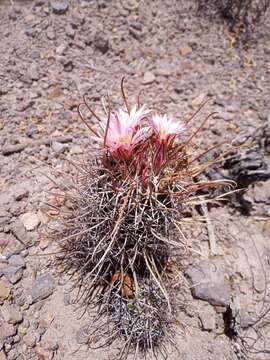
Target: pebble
[(30, 221), (18, 230), (13, 273), (31, 31), (13, 354), (2, 356), (148, 78), (12, 315), (22, 330), (185, 50), (208, 318), (58, 147), (49, 340), (261, 192), (70, 31), (31, 131), (7, 330), (51, 35), (4, 291), (16, 260), (34, 72), (43, 287), (4, 217), (227, 116), (30, 339), (208, 283), (43, 354), (101, 42), (59, 6), (20, 193), (61, 49), (16, 339), (164, 70), (198, 100)]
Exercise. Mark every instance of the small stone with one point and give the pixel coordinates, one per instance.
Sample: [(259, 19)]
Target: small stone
[(101, 42), (247, 319), (31, 31), (208, 283), (83, 335), (13, 354), (47, 320), (43, 287), (43, 354), (49, 340), (61, 49), (227, 116), (137, 34), (12, 315), (58, 147), (148, 78), (30, 221), (22, 330), (31, 131), (70, 31), (8, 346), (208, 318), (198, 100), (51, 35), (59, 6), (55, 92), (13, 273), (34, 72), (16, 339), (7, 330), (4, 291), (2, 356), (30, 339), (20, 194), (16, 260), (185, 50), (5, 217), (18, 230), (261, 192)]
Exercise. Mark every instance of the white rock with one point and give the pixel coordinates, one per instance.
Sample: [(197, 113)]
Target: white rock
[(148, 78), (30, 221)]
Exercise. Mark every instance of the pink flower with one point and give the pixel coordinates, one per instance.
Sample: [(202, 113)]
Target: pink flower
[(165, 128), (124, 132)]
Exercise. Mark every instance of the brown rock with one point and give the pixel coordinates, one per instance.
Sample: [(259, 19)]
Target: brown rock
[(2, 356), (42, 353), (7, 330), (4, 291), (185, 50), (208, 318), (198, 100), (30, 339), (12, 315)]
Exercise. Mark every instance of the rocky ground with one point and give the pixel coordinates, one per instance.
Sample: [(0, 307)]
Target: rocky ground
[(51, 53)]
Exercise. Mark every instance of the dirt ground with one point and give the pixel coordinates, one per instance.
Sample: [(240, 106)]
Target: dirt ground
[(51, 53)]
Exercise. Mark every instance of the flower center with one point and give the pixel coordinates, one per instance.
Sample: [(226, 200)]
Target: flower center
[(125, 140)]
